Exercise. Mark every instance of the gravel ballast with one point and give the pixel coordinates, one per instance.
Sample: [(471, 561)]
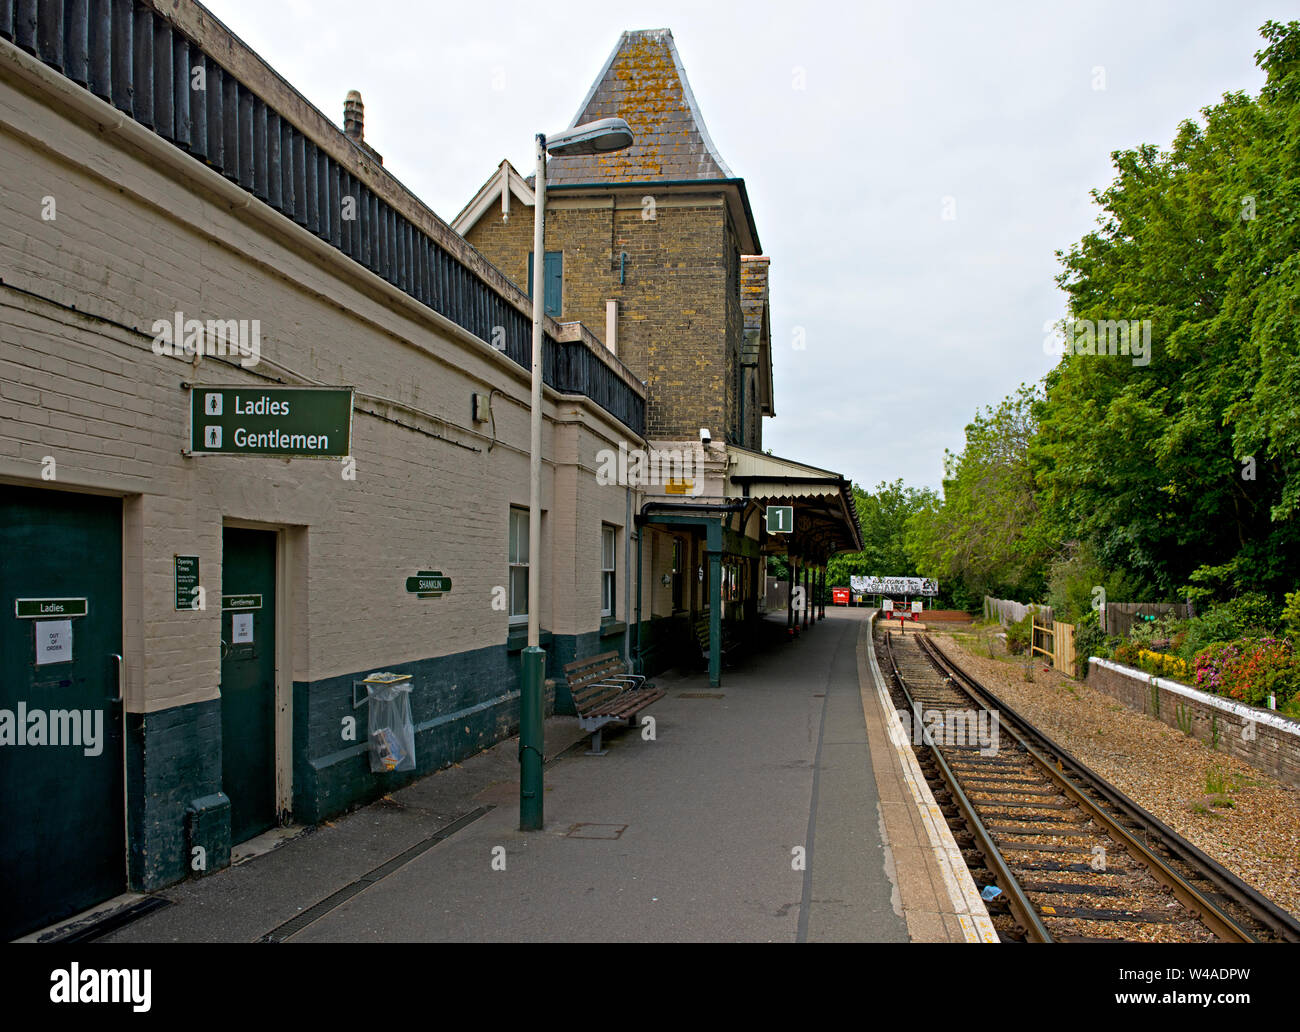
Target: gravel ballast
[(1246, 820)]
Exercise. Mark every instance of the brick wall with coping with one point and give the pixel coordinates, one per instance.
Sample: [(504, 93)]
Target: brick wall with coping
[(1262, 738)]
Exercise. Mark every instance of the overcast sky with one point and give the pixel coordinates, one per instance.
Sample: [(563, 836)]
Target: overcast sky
[(857, 129)]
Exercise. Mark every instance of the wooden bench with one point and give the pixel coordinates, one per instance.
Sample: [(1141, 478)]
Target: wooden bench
[(731, 642), (603, 692)]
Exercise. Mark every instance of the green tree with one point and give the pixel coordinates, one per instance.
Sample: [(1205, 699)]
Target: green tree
[(883, 514), (1190, 459), (985, 536)]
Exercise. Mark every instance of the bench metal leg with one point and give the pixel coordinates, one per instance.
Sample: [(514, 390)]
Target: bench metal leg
[(595, 749)]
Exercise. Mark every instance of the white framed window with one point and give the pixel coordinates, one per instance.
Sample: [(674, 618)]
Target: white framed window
[(518, 556), (608, 538)]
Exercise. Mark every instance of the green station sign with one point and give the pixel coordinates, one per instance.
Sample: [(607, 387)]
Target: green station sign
[(780, 519), (302, 422), (241, 602), (46, 608), (428, 584), (186, 576)]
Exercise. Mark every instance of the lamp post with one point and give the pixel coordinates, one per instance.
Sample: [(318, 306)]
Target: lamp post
[(603, 136)]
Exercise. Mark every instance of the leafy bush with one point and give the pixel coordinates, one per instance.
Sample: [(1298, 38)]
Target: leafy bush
[(1089, 638), (1250, 615), (1254, 612), (1127, 652), (1018, 635), (1207, 629), (1142, 632), (1291, 614), (1074, 576)]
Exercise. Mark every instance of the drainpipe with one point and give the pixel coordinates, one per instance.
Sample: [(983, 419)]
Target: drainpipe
[(690, 510), (639, 667), (627, 578)]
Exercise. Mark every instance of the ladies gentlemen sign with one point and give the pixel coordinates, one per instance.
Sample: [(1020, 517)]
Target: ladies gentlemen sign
[(307, 422)]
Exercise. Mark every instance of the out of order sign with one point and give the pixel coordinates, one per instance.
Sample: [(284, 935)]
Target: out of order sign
[(302, 422)]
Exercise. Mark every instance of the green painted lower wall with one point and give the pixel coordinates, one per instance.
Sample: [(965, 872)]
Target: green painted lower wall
[(173, 757), (665, 642), (570, 647), (460, 705)]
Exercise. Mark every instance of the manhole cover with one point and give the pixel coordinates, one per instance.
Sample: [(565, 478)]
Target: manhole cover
[(701, 695), (600, 831)]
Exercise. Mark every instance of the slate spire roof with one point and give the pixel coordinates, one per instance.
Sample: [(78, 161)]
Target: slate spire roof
[(644, 82)]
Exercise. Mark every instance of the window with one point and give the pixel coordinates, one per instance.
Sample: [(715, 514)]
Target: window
[(553, 280), (607, 538), (518, 565)]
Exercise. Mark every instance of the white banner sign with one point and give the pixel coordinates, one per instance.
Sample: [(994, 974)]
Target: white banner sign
[(894, 586)]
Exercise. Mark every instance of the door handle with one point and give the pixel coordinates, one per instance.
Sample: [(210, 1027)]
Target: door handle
[(121, 676)]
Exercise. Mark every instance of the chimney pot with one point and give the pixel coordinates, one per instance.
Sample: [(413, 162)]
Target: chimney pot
[(354, 116)]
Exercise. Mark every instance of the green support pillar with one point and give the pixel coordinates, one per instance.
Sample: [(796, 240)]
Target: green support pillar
[(789, 594), (715, 618), (807, 595), (531, 739)]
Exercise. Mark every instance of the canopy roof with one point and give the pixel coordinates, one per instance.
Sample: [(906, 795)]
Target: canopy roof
[(826, 518)]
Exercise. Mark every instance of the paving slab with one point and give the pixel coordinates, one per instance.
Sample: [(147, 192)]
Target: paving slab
[(750, 812)]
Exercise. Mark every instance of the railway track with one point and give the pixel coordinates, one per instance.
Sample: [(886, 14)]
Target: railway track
[(1072, 857)]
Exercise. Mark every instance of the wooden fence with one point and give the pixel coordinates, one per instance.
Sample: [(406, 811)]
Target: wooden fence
[(1009, 611), (1119, 617), (1055, 641)]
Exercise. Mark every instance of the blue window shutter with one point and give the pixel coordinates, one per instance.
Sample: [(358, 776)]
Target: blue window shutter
[(553, 278), (554, 282)]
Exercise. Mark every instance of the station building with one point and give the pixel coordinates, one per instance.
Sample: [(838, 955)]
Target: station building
[(186, 626), (658, 245)]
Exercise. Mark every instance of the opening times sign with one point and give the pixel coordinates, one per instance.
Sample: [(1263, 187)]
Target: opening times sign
[(301, 422)]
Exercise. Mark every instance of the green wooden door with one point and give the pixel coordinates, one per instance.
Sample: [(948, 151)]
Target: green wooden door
[(62, 814), (248, 679)]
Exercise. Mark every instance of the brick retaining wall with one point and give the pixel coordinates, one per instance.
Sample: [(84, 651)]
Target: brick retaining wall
[(1262, 738)]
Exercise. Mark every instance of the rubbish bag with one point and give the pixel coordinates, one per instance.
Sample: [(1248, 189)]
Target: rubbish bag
[(392, 732)]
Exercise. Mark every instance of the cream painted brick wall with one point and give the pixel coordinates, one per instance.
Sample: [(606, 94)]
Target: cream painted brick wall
[(132, 245)]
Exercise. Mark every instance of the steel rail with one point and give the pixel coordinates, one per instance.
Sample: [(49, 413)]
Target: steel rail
[(1204, 909), (1022, 907)]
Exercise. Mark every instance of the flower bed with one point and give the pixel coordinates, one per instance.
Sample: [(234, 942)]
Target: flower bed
[(1250, 670)]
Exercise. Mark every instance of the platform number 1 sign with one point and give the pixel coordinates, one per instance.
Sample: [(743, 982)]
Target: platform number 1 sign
[(780, 519)]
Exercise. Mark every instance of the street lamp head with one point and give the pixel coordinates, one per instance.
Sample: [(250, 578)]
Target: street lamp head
[(599, 137)]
